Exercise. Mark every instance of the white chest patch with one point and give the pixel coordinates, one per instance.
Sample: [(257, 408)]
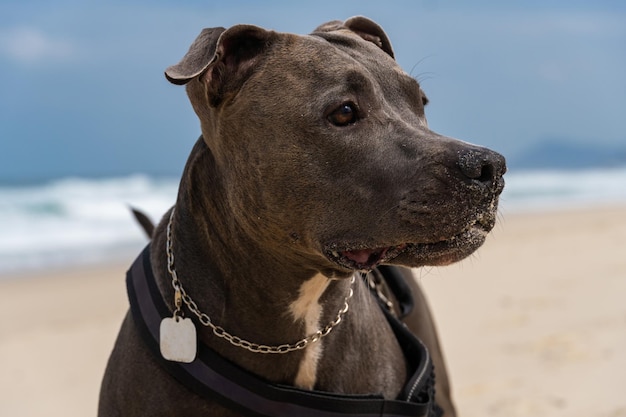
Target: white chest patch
[(307, 308)]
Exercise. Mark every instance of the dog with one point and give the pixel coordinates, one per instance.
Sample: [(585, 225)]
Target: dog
[(315, 165)]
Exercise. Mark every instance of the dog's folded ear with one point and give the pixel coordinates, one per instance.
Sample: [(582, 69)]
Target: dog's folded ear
[(365, 28), (200, 55), (224, 57)]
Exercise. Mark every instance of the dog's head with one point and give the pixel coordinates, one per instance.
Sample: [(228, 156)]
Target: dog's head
[(323, 150)]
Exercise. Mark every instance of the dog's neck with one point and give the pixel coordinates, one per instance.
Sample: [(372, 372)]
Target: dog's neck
[(261, 305), (251, 295), (259, 297)]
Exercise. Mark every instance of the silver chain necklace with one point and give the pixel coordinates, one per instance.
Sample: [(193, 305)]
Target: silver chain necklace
[(180, 296)]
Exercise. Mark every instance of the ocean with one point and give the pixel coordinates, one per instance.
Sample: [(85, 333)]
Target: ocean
[(76, 221)]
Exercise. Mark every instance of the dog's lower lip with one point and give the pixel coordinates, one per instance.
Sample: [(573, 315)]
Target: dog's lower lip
[(459, 240), (368, 258)]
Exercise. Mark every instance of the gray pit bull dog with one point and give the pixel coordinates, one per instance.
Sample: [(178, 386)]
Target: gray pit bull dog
[(315, 164)]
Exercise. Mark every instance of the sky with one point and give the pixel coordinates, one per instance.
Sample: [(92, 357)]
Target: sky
[(82, 91)]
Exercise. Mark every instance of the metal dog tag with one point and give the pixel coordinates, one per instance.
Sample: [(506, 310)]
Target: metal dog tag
[(177, 339)]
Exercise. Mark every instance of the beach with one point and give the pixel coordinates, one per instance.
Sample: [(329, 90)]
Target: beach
[(533, 324)]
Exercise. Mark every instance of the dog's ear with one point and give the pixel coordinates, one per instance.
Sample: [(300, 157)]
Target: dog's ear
[(201, 54), (223, 57), (365, 28)]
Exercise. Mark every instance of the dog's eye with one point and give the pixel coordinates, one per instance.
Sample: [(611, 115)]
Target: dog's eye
[(344, 115)]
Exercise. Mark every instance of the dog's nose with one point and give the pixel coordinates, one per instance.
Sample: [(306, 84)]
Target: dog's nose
[(483, 166)]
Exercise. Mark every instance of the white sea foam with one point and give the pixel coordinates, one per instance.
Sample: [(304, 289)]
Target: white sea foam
[(75, 221), (541, 190)]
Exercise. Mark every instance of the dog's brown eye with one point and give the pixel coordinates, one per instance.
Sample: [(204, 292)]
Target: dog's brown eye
[(344, 115)]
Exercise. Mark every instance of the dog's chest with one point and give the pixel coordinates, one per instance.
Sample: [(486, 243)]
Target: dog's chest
[(307, 309)]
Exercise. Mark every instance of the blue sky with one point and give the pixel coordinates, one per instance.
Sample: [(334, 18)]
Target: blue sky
[(82, 91)]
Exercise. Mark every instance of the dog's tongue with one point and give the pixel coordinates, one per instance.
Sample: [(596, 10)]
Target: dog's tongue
[(365, 256)]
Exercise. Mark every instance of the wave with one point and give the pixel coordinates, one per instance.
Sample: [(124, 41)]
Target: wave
[(75, 221), (558, 189), (78, 221)]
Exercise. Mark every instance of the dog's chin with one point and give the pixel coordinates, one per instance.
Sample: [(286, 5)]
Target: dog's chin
[(444, 252), (411, 255)]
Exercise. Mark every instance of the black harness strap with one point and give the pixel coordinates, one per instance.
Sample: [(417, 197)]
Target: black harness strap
[(216, 378)]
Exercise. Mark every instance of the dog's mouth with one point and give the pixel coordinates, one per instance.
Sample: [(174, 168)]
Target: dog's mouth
[(365, 258), (411, 254)]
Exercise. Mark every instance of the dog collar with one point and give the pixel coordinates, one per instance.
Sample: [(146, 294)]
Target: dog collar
[(220, 380)]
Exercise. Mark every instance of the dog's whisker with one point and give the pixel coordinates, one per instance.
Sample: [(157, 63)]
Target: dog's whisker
[(384, 214), (420, 62)]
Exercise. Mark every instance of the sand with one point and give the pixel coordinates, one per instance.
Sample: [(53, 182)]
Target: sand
[(534, 324)]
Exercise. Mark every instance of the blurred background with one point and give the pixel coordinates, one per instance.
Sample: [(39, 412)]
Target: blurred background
[(89, 125)]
